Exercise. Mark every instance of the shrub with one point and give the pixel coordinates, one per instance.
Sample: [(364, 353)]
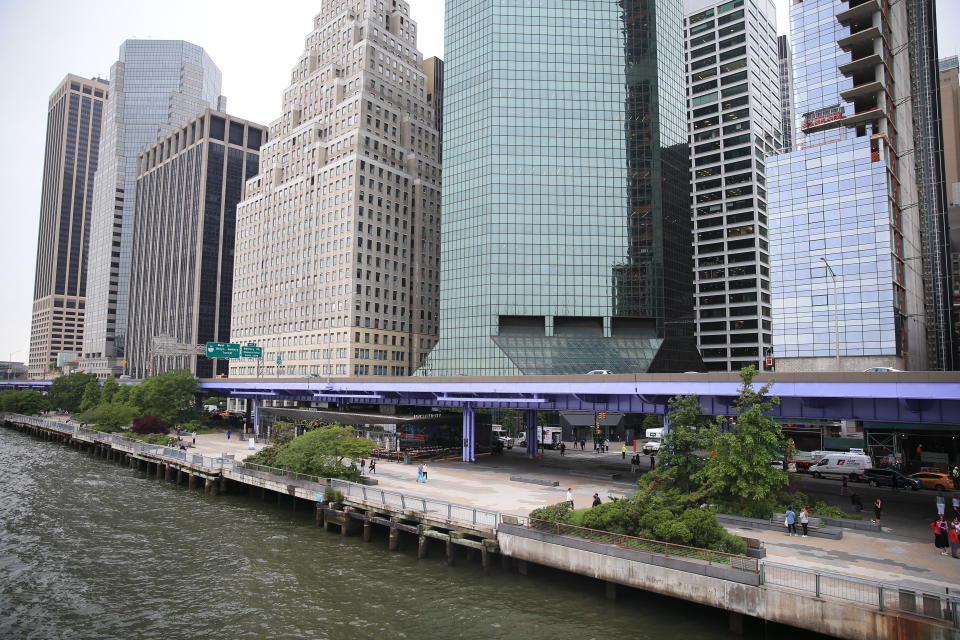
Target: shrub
[(150, 424), (554, 513), (105, 428), (334, 496), (266, 457)]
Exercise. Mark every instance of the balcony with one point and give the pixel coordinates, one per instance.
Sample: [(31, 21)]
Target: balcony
[(859, 38), (865, 63), (860, 12), (867, 115), (862, 90)]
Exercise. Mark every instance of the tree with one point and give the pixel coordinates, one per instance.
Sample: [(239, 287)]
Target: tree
[(169, 396), (91, 396), (282, 432), (149, 424), (686, 438), (113, 415), (66, 392), (25, 402), (109, 390), (738, 469), (321, 452), (122, 395)]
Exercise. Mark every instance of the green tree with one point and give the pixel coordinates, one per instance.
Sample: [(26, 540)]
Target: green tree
[(112, 415), (738, 469), (282, 432), (25, 402), (108, 390), (122, 394), (687, 436), (91, 396), (66, 392), (169, 396), (320, 452)]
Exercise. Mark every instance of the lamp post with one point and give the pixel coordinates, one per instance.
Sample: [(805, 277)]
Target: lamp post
[(836, 313)]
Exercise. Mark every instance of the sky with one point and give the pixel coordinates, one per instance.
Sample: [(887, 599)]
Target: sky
[(255, 46)]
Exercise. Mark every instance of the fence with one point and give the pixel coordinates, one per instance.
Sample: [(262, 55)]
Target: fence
[(883, 596), (658, 547)]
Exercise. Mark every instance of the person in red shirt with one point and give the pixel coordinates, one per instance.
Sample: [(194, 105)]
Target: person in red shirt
[(953, 535)]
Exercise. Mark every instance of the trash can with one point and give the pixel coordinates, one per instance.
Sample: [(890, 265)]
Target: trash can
[(406, 458)]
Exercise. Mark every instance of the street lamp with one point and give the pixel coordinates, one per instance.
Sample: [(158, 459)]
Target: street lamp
[(836, 313)]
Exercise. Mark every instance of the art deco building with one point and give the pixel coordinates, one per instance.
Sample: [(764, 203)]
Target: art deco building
[(181, 281), (155, 87), (73, 135), (336, 269), (735, 123), (566, 233), (853, 209)]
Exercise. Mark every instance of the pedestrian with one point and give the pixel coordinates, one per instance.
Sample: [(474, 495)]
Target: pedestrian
[(941, 505), (419, 473), (953, 537), (570, 497), (228, 434), (877, 509), (596, 499), (940, 534), (424, 467), (956, 505), (583, 444), (843, 486), (563, 448), (956, 476), (855, 501), (804, 519), (363, 466), (633, 464), (791, 521), (373, 465), (623, 451), (194, 439), (653, 462)]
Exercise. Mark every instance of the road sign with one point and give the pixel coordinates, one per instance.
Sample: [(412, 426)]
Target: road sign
[(251, 350), (223, 350)]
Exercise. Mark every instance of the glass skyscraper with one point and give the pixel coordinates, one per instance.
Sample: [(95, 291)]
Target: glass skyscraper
[(155, 87), (845, 238), (566, 217)]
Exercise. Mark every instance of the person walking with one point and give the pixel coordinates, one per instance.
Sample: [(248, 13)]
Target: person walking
[(953, 537), (956, 505), (940, 535), (596, 499), (373, 465), (791, 521), (583, 444), (843, 486), (420, 473), (228, 434), (623, 451), (363, 466), (424, 467), (941, 505), (653, 462), (570, 497), (563, 448), (804, 519), (877, 509), (633, 464)]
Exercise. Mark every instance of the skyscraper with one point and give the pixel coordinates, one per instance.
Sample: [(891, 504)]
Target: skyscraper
[(844, 221), (735, 124), (73, 135), (155, 87), (181, 282), (336, 269), (566, 234), (786, 93)]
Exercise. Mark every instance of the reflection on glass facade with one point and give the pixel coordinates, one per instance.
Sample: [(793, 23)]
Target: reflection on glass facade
[(565, 241), (184, 237), (156, 86), (837, 199)]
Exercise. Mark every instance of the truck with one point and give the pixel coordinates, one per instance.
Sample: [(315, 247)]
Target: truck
[(654, 438), (547, 437)]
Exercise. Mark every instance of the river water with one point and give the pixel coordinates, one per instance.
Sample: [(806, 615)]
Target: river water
[(90, 549)]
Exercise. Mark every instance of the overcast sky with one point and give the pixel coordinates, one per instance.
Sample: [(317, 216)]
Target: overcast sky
[(254, 44)]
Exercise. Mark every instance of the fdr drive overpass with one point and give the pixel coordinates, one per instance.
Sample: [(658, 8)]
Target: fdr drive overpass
[(928, 398)]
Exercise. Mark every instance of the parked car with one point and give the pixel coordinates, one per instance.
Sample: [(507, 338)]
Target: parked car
[(835, 464), (934, 480), (880, 370), (599, 372), (889, 478)]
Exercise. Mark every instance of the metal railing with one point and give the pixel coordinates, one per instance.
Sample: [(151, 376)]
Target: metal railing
[(743, 563), (883, 596), (372, 496)]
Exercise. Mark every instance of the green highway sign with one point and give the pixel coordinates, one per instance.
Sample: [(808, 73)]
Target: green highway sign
[(251, 350), (223, 350)]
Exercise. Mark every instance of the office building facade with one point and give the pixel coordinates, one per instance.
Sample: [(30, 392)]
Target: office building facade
[(74, 115), (181, 280), (786, 93), (155, 87), (336, 270), (735, 123), (949, 77), (845, 229), (566, 234)]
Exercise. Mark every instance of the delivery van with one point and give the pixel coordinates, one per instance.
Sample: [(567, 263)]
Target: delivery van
[(835, 465)]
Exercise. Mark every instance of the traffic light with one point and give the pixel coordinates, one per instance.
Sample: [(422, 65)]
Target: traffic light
[(603, 415)]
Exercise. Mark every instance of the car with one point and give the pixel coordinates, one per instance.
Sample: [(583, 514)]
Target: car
[(889, 478), (599, 372), (934, 480), (881, 370)]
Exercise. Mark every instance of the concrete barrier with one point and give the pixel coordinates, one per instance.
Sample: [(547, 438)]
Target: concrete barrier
[(546, 483), (769, 525)]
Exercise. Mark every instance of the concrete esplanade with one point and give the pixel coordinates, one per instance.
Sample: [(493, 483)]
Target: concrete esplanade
[(840, 605)]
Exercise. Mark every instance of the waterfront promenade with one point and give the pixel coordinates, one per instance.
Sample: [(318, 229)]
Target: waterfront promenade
[(882, 556)]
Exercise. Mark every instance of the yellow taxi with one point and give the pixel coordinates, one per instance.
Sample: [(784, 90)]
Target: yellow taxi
[(934, 480)]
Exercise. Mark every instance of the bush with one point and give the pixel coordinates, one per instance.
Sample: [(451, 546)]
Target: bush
[(266, 457), (104, 428), (155, 438), (150, 424), (110, 415), (334, 496), (554, 513)]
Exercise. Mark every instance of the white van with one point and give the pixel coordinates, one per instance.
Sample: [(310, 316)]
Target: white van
[(851, 465)]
